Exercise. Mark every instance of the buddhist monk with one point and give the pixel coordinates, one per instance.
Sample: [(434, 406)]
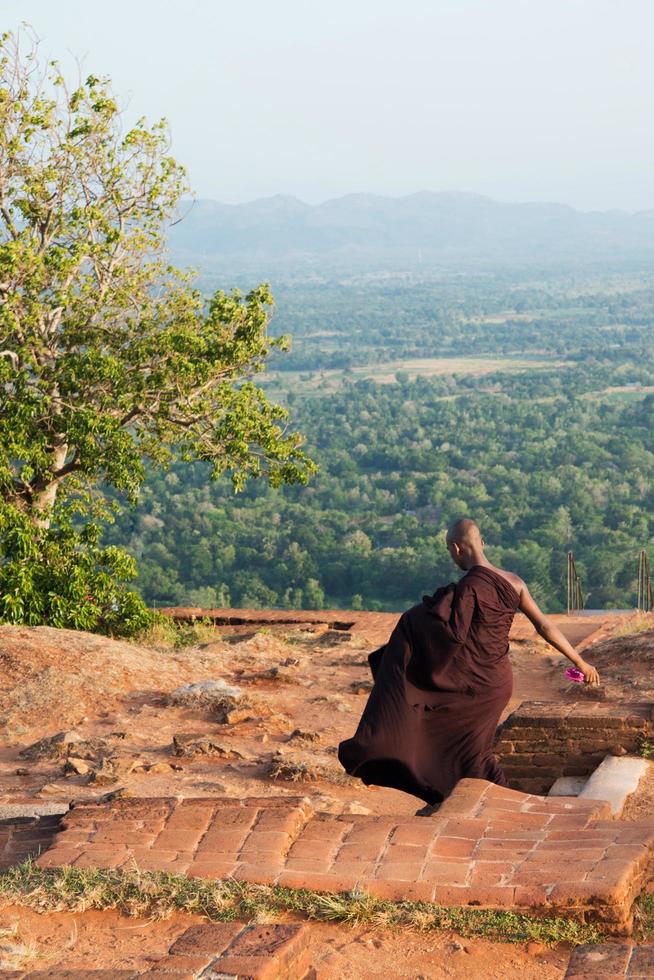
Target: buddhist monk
[(444, 678)]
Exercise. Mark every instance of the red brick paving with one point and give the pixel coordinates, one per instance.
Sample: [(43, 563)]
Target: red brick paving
[(226, 949), (611, 961), (23, 837), (54, 974), (487, 846)]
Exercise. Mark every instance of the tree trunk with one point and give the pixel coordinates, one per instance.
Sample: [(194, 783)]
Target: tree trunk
[(43, 500)]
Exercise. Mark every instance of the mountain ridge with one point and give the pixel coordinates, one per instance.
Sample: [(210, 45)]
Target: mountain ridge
[(379, 230)]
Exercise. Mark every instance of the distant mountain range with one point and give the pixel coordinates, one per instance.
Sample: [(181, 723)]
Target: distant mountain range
[(370, 230)]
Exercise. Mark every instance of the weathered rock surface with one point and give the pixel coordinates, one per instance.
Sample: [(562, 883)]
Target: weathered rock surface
[(204, 694), (299, 735), (228, 703), (62, 745), (292, 767), (51, 678), (193, 744)]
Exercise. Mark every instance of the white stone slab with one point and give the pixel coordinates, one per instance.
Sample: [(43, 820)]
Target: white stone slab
[(11, 811), (568, 786), (614, 780)]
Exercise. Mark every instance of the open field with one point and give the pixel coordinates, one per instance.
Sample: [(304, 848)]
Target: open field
[(437, 366), (621, 392), (427, 367)]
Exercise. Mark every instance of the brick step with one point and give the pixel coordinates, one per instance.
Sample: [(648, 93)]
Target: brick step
[(25, 837), (224, 949), (542, 741), (487, 847), (611, 961)]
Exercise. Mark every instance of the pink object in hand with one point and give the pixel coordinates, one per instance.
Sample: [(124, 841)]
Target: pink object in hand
[(576, 675)]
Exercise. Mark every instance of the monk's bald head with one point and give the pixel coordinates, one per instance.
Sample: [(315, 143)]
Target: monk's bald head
[(464, 532), (465, 543)]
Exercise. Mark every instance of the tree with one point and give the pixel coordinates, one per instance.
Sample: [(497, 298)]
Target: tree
[(314, 594), (109, 356)]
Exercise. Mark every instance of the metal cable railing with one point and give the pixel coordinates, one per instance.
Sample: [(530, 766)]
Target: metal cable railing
[(575, 595), (644, 594)]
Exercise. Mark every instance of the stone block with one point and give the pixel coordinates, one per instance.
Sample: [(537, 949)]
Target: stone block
[(641, 964), (446, 873), (222, 842), (173, 966), (470, 827), (317, 849), (189, 820), (58, 857), (397, 891), (54, 973), (598, 961), (416, 834), (284, 821), (614, 780), (259, 873), (36, 808), (414, 852), (567, 786), (406, 872), (283, 942), (215, 870), (445, 847), (213, 938)]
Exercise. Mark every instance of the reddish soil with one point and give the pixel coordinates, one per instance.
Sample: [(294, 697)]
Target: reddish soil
[(109, 940), (640, 805), (51, 680)]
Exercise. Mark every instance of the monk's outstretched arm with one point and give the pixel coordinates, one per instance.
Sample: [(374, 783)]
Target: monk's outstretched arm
[(554, 636)]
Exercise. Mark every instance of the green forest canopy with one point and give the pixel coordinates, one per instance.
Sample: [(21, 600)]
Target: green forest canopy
[(546, 459)]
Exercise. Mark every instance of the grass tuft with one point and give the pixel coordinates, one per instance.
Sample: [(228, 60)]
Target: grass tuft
[(644, 916), (157, 895), (640, 624), (15, 952), (298, 770), (165, 633)]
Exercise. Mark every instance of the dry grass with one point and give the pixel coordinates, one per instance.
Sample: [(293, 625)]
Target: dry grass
[(166, 634), (157, 895), (630, 649), (639, 624), (16, 952), (295, 770)]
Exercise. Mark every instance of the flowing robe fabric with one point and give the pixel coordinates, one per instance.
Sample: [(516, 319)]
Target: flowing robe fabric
[(440, 686)]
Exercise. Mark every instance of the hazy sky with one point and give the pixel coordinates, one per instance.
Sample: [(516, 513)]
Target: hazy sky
[(517, 99)]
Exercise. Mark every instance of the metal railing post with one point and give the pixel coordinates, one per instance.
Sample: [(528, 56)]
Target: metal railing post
[(575, 601), (644, 594), (569, 582)]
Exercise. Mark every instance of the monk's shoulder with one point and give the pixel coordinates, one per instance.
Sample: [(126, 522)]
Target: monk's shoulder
[(513, 579), (484, 579)]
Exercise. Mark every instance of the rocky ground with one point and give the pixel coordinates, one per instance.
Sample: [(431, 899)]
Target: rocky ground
[(248, 712)]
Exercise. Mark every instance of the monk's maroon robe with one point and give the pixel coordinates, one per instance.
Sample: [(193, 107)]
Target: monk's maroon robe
[(441, 684)]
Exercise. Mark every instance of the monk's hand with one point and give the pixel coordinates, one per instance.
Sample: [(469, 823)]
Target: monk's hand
[(590, 674)]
